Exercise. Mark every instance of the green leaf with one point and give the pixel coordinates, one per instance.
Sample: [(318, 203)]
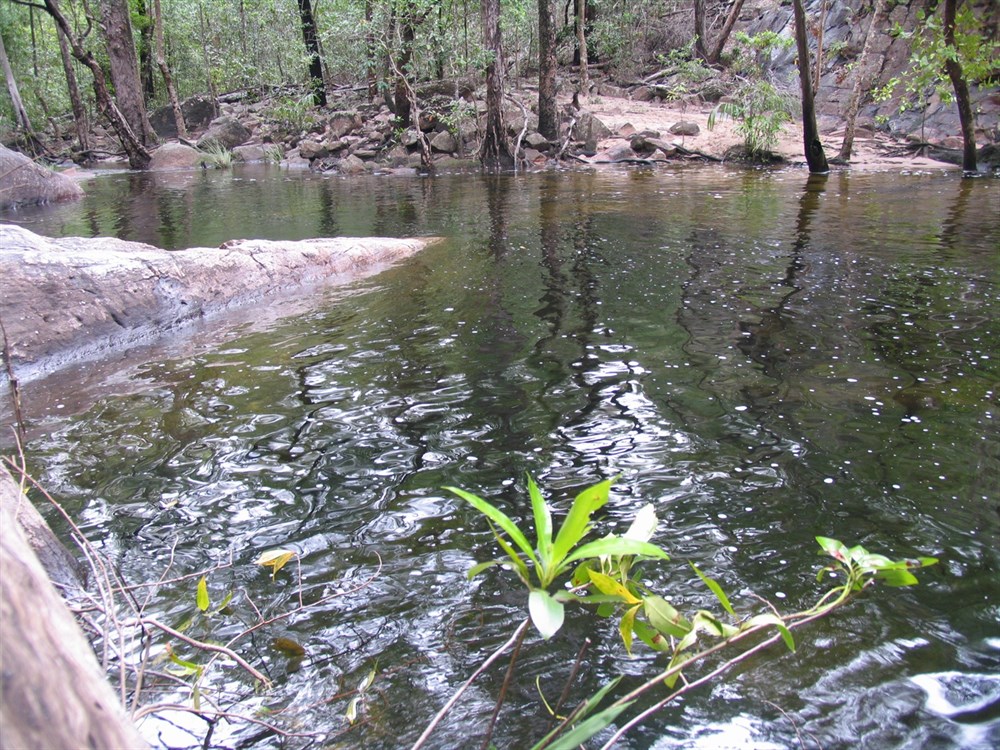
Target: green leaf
[(586, 729), (499, 518), (351, 714), (367, 681), (897, 577), (715, 589), (769, 619), (626, 626), (543, 522), (201, 595), (547, 614), (518, 563), (480, 567), (650, 636), (616, 545), (644, 524), (611, 587), (577, 522), (833, 548), (664, 617)]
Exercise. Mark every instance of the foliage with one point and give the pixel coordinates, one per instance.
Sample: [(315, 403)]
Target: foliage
[(215, 155), (603, 578), (550, 557), (977, 53), (293, 114)]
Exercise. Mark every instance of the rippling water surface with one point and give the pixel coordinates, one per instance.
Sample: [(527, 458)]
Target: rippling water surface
[(764, 358)]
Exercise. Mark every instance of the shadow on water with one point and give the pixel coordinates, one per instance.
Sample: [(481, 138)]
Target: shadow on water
[(764, 356)]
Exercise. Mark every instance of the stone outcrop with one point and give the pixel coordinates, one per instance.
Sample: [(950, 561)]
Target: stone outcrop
[(74, 298), (175, 156), (22, 182), (225, 131)]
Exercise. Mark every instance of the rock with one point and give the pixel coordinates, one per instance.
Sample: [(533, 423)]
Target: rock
[(198, 113), (536, 140), (72, 298), (342, 123), (175, 156), (351, 164), (617, 152), (444, 142), (313, 150), (22, 182), (627, 129), (226, 131), (398, 157), (249, 153), (590, 129), (685, 127), (410, 138)]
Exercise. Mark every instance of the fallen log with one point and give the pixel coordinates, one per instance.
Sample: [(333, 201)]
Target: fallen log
[(75, 298)]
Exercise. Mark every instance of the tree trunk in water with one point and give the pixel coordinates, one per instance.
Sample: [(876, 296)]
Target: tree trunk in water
[(961, 86), (815, 156), (548, 122), (138, 156), (15, 95), (124, 66), (161, 63), (312, 47), (860, 83), (727, 29), (700, 43), (79, 113), (494, 153)]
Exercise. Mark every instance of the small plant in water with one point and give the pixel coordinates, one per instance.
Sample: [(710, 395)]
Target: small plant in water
[(217, 156), (603, 576)]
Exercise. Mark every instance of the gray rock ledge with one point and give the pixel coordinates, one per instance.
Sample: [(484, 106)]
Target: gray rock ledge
[(64, 300)]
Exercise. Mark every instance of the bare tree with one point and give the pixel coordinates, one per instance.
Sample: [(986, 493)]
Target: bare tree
[(168, 80), (701, 48), (860, 82), (548, 123), (116, 27), (495, 152), (15, 94), (316, 81), (815, 156)]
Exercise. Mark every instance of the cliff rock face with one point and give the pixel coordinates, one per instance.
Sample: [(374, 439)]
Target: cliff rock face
[(22, 182), (844, 29), (72, 298)]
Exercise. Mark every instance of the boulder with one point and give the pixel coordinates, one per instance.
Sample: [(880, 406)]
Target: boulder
[(590, 130), (226, 131), (175, 156), (198, 113), (685, 127), (444, 142), (352, 164), (342, 123), (75, 298), (313, 150), (249, 153), (22, 182)]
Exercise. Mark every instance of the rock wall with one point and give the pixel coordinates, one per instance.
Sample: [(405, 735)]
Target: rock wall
[(72, 298)]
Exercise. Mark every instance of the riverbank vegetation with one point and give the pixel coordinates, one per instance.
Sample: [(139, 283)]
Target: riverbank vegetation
[(509, 82)]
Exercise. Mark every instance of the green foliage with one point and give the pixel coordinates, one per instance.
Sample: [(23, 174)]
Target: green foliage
[(926, 75), (215, 155), (549, 558), (760, 111), (293, 114)]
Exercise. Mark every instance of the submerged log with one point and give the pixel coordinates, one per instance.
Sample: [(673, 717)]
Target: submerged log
[(74, 298), (53, 693)]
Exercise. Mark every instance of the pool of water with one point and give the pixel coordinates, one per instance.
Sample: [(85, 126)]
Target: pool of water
[(762, 356)]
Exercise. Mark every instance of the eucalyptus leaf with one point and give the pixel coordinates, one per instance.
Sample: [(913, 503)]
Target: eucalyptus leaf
[(543, 522), (617, 545), (201, 595), (716, 589), (664, 617)]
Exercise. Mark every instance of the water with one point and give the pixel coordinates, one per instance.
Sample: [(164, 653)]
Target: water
[(763, 358)]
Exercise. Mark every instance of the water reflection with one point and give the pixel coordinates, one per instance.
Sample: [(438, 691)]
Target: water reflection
[(765, 357)]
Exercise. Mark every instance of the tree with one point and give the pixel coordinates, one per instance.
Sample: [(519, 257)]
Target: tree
[(138, 156), (76, 102), (815, 156), (495, 152), (15, 95), (548, 122), (953, 66), (161, 63), (701, 49), (116, 27), (312, 47), (861, 82)]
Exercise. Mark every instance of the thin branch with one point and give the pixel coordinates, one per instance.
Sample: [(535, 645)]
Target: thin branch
[(207, 647)]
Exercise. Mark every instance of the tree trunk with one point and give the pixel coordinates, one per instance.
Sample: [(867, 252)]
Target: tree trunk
[(401, 96), (494, 153), (860, 82), (815, 156), (727, 29), (146, 52), (700, 43), (370, 65), (168, 80), (312, 47), (581, 37), (15, 95), (124, 66), (79, 113), (548, 121), (961, 86), (209, 78), (138, 156)]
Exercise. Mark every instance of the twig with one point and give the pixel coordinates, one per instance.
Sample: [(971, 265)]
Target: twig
[(572, 675), (465, 685), (503, 690), (207, 647)]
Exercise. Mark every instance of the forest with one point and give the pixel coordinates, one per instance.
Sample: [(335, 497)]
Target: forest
[(75, 68)]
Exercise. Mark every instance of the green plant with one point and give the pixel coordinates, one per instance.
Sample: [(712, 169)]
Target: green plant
[(550, 557), (760, 111), (215, 155), (603, 577), (294, 114)]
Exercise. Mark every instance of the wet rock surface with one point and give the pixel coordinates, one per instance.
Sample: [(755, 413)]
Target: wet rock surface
[(74, 298)]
